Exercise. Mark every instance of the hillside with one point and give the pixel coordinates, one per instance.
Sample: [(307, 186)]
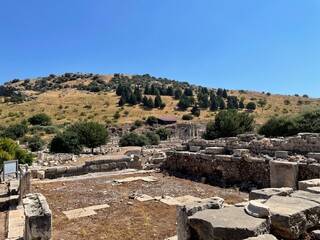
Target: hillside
[(72, 97)]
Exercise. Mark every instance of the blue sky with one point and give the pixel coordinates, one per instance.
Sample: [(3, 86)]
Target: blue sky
[(262, 45)]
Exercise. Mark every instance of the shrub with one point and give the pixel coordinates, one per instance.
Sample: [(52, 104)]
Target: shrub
[(279, 126), (35, 144), (187, 117), (40, 119), (286, 102), (152, 120), (163, 133), (138, 123), (228, 124), (116, 116), (9, 150), (15, 131), (133, 139), (153, 138), (251, 106)]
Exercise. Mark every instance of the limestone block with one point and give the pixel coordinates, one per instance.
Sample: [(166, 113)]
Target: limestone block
[(61, 170), (72, 169), (40, 174), (227, 223), (94, 168), (266, 193), (313, 190), (181, 148), (315, 234), (314, 155), (281, 154), (194, 148), (303, 185), (214, 150), (263, 237), (38, 217), (105, 166), (283, 174), (256, 208), (314, 167), (306, 195), (240, 152), (291, 216), (184, 211), (223, 157)]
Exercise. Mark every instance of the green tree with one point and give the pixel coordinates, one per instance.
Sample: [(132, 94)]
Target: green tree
[(177, 94), (222, 104), (228, 124), (279, 126), (152, 120), (241, 104), (214, 104), (40, 119), (35, 144), (133, 139), (122, 101), (66, 142), (163, 133), (15, 131), (10, 150), (91, 134), (153, 138), (195, 111), (224, 93), (187, 117), (251, 106), (157, 101)]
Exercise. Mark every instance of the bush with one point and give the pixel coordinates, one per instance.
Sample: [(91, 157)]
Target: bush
[(40, 119), (67, 142), (153, 138), (36, 144), (309, 121), (187, 117), (133, 139), (138, 123), (229, 124), (116, 116), (251, 106), (163, 133), (15, 131), (279, 126), (152, 120), (9, 150)]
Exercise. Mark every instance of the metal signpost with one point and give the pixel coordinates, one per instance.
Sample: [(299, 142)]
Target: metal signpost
[(10, 167)]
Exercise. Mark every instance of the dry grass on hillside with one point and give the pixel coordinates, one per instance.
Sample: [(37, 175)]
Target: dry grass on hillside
[(71, 105)]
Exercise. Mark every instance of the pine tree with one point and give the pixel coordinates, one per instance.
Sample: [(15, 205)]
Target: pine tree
[(157, 101), (138, 94), (122, 101), (214, 104), (145, 101), (169, 91), (195, 111), (147, 90), (133, 99), (224, 93), (241, 104), (177, 94), (150, 103), (119, 90), (222, 105)]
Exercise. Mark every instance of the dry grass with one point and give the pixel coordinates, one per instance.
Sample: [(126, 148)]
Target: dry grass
[(71, 105)]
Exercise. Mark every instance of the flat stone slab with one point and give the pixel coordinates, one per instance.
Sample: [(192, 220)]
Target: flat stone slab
[(283, 174), (227, 223), (16, 222), (144, 198), (178, 200), (266, 193), (291, 216), (303, 185), (84, 212), (214, 150), (313, 190), (131, 179), (306, 195), (263, 237)]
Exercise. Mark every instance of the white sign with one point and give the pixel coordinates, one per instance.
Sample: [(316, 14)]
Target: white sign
[(10, 167)]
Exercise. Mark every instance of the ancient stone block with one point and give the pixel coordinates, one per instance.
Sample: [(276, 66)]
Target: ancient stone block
[(256, 208), (313, 190), (266, 193), (281, 154), (183, 212), (40, 174), (263, 237), (306, 195), (303, 185), (223, 157), (181, 148), (314, 167), (283, 174), (214, 150), (38, 221), (291, 216), (314, 155), (194, 148), (240, 152), (227, 223)]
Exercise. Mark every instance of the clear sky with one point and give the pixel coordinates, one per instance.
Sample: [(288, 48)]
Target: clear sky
[(263, 45)]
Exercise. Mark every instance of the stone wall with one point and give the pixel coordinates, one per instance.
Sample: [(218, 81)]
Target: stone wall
[(89, 166), (246, 159)]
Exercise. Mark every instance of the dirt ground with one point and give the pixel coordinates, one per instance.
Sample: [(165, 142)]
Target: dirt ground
[(126, 218), (3, 210)]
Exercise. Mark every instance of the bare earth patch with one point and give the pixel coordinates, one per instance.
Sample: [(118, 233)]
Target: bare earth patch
[(125, 218)]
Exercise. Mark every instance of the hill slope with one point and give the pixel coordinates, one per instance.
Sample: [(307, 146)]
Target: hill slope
[(72, 97)]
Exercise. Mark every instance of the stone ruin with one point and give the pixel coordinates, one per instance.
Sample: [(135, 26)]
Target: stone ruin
[(248, 160)]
